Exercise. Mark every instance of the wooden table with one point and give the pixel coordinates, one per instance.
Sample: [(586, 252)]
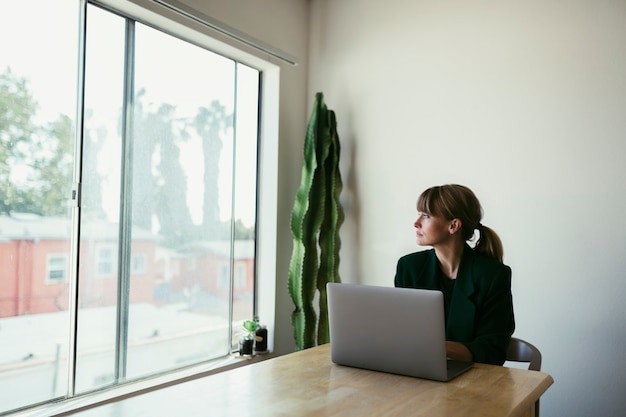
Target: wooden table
[(307, 383)]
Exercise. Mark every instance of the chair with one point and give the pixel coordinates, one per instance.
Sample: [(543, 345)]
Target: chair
[(522, 351)]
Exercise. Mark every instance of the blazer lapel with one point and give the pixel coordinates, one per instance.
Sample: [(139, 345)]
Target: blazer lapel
[(430, 272), (462, 309)]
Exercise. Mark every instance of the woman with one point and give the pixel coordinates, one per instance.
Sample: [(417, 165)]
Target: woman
[(475, 283)]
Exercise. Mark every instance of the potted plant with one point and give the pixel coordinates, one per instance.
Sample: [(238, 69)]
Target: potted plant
[(246, 343), (315, 221)]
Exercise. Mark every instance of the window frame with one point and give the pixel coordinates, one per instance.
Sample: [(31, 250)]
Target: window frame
[(149, 13), (138, 258), (240, 275), (223, 275), (53, 256), (110, 262)]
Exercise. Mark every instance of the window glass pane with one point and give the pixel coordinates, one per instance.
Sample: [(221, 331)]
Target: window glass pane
[(37, 124), (245, 192), (101, 166), (182, 182)]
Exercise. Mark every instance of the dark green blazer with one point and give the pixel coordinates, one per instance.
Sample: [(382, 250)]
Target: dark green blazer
[(481, 307)]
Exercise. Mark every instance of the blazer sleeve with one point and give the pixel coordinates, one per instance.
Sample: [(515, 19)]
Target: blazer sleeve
[(494, 322)]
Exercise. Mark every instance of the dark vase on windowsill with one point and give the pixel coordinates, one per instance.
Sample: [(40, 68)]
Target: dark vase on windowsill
[(260, 345), (246, 345)]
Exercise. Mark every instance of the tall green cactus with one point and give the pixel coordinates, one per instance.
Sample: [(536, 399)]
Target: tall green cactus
[(315, 221)]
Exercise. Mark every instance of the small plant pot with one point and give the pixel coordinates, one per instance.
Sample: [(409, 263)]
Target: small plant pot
[(246, 346), (261, 340)]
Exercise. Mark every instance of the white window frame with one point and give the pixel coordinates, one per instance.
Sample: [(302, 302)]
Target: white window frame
[(49, 268), (240, 279), (139, 263), (100, 260), (223, 275)]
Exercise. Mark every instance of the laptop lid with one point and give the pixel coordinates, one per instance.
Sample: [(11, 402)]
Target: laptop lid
[(388, 329)]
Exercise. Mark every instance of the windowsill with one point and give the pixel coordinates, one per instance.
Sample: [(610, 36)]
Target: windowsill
[(131, 389)]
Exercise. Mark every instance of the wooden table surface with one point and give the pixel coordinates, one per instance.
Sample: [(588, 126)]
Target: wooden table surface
[(307, 383)]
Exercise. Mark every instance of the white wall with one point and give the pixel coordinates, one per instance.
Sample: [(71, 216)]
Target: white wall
[(524, 102)]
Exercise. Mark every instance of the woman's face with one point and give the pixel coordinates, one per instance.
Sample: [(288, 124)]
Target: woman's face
[(431, 230)]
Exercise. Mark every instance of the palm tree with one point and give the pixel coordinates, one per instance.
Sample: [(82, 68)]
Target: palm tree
[(210, 123)]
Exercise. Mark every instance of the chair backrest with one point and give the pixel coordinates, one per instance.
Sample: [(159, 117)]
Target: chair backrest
[(522, 351)]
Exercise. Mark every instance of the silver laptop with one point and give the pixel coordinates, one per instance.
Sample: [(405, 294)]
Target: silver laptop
[(388, 329)]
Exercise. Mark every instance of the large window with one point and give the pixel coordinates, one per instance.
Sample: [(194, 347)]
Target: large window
[(141, 162)]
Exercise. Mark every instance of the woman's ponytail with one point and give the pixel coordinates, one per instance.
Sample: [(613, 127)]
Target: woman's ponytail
[(489, 243)]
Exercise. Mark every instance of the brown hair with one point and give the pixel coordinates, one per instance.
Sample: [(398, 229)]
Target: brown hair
[(454, 201)]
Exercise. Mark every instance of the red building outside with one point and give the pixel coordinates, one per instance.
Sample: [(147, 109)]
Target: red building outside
[(35, 261)]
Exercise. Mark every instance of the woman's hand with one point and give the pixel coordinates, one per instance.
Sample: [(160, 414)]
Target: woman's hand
[(458, 352)]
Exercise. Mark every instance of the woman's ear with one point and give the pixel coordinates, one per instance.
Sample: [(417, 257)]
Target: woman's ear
[(455, 226)]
